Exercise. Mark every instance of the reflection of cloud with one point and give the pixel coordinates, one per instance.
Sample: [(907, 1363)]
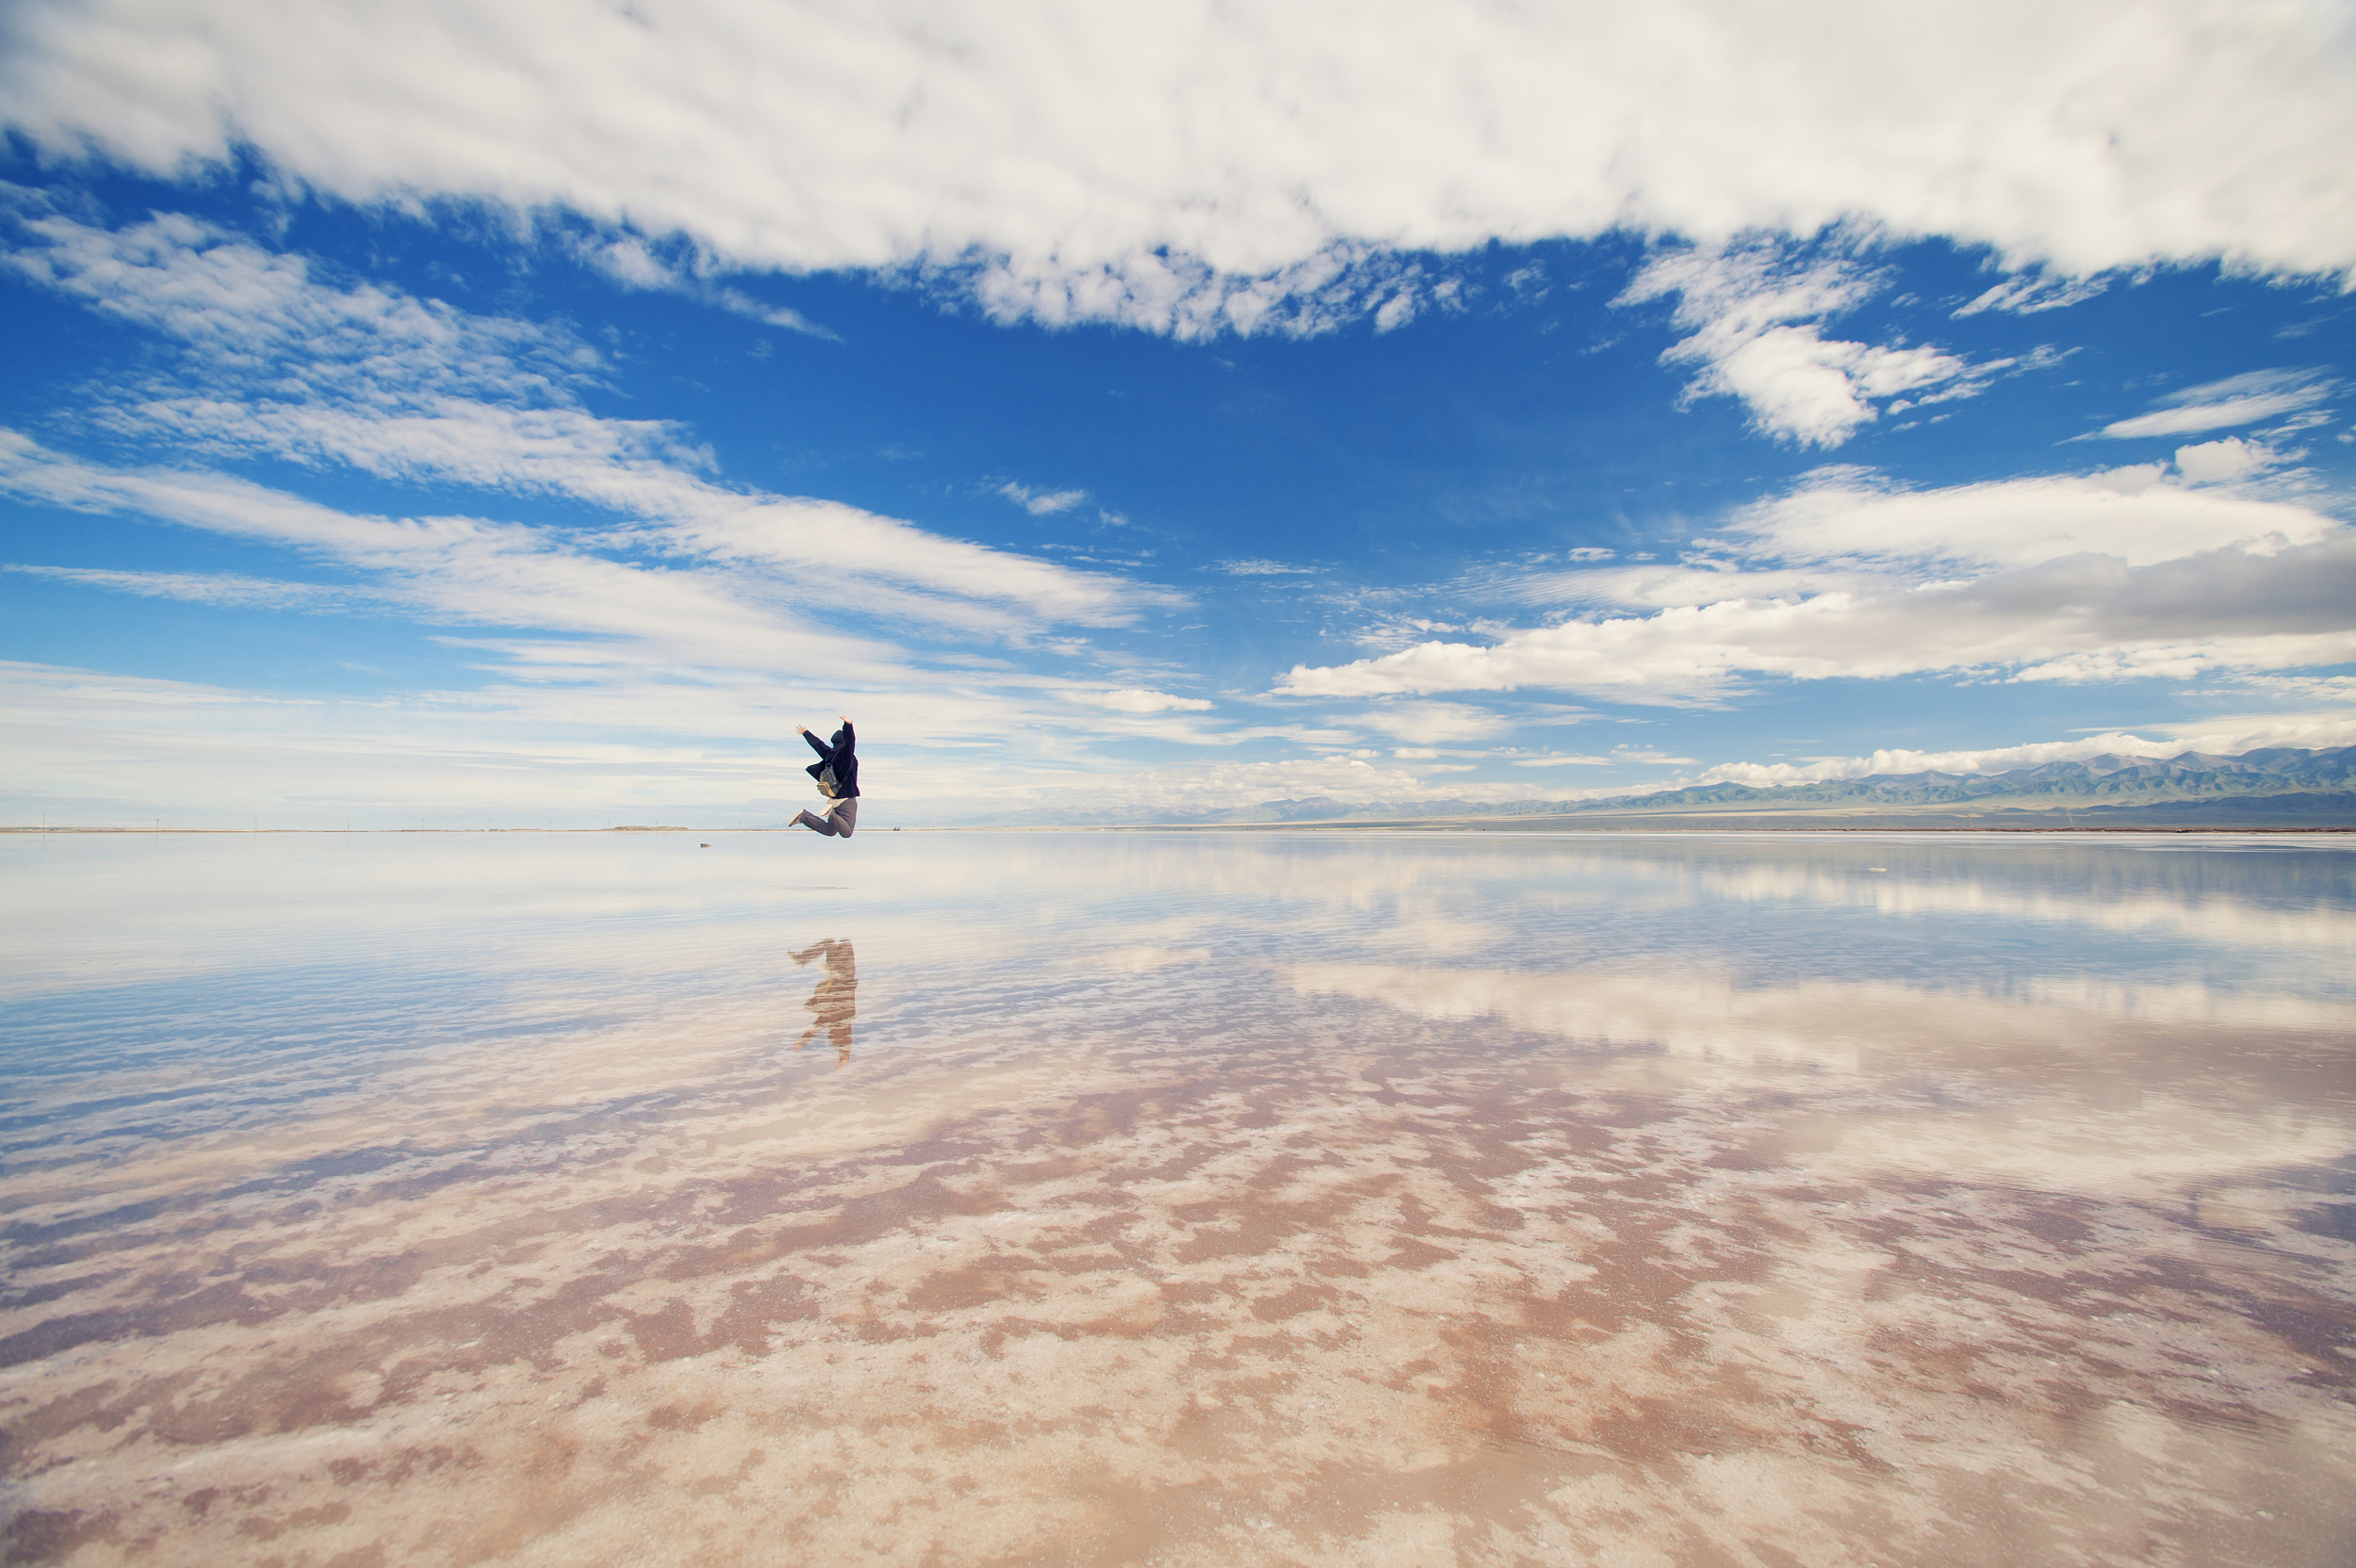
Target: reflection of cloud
[(2213, 916), (2023, 1050), (1846, 1025), (486, 1144)]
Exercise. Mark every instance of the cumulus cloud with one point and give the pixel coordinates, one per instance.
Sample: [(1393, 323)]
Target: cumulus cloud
[(2223, 462), (1193, 170), (1752, 312), (2125, 575), (2242, 399)]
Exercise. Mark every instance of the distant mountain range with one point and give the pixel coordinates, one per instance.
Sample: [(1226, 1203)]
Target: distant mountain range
[(2279, 786)]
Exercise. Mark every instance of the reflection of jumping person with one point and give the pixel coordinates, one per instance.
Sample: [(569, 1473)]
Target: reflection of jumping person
[(835, 1003), (837, 772)]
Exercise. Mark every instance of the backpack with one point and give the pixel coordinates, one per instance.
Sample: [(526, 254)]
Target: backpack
[(826, 782)]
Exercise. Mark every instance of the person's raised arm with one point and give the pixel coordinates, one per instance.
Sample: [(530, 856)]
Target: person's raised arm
[(816, 744), (850, 739)]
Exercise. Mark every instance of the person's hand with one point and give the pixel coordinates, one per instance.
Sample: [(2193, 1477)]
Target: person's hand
[(845, 717), (801, 729)]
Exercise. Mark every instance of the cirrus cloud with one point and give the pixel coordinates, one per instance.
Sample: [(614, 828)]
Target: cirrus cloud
[(2242, 399)]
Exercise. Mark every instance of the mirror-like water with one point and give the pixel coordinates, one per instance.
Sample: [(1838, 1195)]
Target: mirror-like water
[(1189, 1199)]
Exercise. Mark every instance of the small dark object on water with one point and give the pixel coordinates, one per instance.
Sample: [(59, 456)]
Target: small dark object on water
[(703, 846)]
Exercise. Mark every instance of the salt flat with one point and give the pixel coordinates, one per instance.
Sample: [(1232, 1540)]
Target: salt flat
[(1332, 1198)]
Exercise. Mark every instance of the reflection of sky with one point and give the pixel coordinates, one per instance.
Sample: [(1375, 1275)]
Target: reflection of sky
[(1148, 1096)]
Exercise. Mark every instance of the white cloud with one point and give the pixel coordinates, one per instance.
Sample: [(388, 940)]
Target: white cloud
[(261, 322), (2227, 740), (2223, 462), (2339, 691), (1429, 723), (1139, 700), (2028, 293), (2242, 399), (1749, 310), (2105, 578), (224, 589), (280, 363), (1040, 503), (2131, 514), (1221, 787), (1262, 568), (590, 730), (630, 261), (742, 304), (470, 570), (716, 744), (1190, 169)]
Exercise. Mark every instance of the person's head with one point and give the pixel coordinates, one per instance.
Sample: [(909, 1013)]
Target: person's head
[(842, 738)]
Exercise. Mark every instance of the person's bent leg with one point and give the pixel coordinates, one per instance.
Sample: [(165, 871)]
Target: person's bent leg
[(816, 825), (844, 816)]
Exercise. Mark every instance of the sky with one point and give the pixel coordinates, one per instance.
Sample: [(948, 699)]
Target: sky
[(448, 416)]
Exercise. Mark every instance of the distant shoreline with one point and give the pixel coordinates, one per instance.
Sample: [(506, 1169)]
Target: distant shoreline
[(1666, 824)]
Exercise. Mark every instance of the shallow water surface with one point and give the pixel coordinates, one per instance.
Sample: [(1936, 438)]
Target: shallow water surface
[(1186, 1199)]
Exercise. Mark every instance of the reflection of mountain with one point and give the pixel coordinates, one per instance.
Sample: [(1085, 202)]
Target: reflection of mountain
[(835, 1003)]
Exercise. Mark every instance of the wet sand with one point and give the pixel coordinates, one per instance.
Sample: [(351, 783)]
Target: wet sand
[(1202, 1201)]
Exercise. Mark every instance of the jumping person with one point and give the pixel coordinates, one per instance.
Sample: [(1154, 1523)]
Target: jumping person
[(837, 773)]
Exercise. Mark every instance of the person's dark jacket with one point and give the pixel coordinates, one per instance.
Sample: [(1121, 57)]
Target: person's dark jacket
[(839, 754)]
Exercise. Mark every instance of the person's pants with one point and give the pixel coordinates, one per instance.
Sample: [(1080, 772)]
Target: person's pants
[(837, 822)]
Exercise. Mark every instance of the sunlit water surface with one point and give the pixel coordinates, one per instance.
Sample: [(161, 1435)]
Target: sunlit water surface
[(1187, 1198)]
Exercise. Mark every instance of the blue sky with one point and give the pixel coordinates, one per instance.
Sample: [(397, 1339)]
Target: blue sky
[(1157, 414)]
